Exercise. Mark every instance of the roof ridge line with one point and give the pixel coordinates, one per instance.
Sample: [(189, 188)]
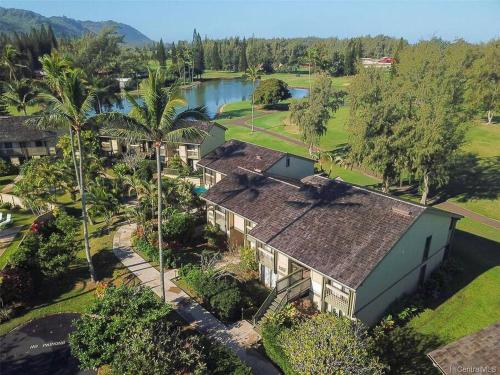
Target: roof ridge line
[(373, 191)]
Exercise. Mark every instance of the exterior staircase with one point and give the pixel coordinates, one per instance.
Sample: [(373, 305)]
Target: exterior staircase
[(287, 289)]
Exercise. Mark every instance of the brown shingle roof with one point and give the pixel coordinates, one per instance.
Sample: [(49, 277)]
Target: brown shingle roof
[(481, 349), (14, 129), (233, 154), (204, 126), (333, 227)]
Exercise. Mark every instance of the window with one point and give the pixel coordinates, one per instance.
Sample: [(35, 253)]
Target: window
[(22, 144), (8, 144), (427, 248), (287, 161), (38, 143)]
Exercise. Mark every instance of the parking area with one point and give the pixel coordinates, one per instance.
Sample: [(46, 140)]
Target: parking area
[(40, 347)]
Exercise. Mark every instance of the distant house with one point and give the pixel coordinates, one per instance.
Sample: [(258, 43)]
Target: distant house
[(189, 150), (384, 62), (20, 142), (351, 250), (478, 353)]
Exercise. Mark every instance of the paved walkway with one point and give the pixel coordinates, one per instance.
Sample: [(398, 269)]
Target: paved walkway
[(239, 336), (7, 236), (455, 208)]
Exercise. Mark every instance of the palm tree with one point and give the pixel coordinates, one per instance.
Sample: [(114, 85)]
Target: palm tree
[(20, 94), (253, 75), (73, 107), (159, 120), (9, 61), (106, 93), (54, 68)]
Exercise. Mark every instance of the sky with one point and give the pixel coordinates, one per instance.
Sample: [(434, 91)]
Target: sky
[(474, 21)]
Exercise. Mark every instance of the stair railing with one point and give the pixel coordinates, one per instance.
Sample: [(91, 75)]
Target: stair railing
[(265, 305)]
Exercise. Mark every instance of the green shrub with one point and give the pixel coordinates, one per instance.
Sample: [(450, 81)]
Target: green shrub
[(221, 361), (7, 168), (145, 170), (178, 226), (6, 205), (151, 253), (248, 259), (271, 91), (6, 313), (213, 235), (270, 333), (16, 285), (227, 303)]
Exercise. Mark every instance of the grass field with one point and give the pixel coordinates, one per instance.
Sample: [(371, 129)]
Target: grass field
[(476, 302), (300, 79)]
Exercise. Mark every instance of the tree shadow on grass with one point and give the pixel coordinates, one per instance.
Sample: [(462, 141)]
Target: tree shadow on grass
[(473, 177)]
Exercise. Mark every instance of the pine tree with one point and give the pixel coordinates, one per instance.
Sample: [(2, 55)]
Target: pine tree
[(161, 54), (216, 59), (242, 62)]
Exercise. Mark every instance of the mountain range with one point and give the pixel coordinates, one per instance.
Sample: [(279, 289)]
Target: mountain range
[(22, 21)]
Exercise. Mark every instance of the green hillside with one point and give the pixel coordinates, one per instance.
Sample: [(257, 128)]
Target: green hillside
[(22, 21)]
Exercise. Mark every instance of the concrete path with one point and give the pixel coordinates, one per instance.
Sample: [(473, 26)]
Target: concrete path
[(7, 236), (239, 337), (455, 208)]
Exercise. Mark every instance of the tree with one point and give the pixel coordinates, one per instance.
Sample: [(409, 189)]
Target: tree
[(114, 315), (159, 120), (216, 60), (106, 91), (483, 94), (253, 75), (9, 60), (161, 54), (242, 63), (73, 108), (327, 344), (373, 118), (312, 114), (20, 94), (350, 59), (432, 102), (271, 91)]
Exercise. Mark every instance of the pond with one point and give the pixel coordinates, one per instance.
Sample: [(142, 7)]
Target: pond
[(215, 93)]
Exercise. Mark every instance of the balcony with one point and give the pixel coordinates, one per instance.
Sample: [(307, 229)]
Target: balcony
[(27, 151), (193, 154), (337, 298)]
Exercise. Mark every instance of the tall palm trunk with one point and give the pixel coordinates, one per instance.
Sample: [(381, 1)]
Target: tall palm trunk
[(73, 156), (160, 239), (253, 99), (84, 208)]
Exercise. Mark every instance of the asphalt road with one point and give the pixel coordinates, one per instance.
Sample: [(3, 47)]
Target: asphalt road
[(40, 347)]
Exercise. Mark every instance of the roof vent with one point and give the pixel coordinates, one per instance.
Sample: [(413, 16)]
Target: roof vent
[(258, 157), (402, 211)]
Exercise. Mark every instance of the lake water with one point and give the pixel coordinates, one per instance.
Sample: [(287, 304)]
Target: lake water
[(215, 93)]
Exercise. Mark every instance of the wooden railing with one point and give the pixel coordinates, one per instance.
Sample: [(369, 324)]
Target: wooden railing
[(290, 279), (337, 298), (265, 305), (287, 289), (192, 154)]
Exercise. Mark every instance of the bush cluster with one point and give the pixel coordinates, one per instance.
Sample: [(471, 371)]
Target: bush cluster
[(271, 91), (178, 226), (221, 293), (7, 168), (130, 331), (151, 252), (49, 247)]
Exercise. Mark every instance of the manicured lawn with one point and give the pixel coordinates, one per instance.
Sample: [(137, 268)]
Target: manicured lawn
[(29, 110), (74, 291), (483, 140), (21, 218), (300, 79), (476, 302)]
